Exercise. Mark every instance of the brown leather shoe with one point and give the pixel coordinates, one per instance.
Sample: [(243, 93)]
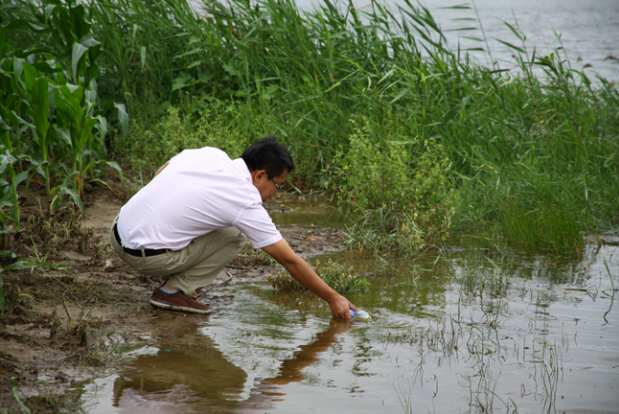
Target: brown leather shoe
[(177, 301)]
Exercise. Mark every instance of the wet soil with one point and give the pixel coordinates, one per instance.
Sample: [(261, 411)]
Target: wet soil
[(68, 318)]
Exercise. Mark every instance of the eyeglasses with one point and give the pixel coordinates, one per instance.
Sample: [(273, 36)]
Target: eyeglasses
[(277, 186)]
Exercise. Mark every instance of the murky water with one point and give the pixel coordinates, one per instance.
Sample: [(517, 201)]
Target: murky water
[(459, 333), (305, 211), (588, 30)]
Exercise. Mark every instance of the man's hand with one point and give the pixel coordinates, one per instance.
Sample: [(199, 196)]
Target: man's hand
[(340, 307), (305, 275)]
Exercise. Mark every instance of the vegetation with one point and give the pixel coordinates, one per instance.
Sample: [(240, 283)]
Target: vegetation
[(51, 130), (418, 146), (340, 278), (397, 196), (414, 140)]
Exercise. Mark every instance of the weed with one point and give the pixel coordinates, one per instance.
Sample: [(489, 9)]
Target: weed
[(17, 399), (284, 282), (60, 229), (341, 278), (251, 257), (613, 290), (67, 402)]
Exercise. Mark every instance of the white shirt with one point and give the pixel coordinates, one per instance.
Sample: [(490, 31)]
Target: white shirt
[(201, 190)]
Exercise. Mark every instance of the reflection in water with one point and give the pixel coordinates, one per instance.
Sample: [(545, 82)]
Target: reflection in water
[(189, 372), (270, 390)]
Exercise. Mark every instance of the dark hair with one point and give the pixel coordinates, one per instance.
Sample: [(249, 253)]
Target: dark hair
[(270, 155)]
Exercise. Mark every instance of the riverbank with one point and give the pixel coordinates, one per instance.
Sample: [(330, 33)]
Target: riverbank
[(71, 320)]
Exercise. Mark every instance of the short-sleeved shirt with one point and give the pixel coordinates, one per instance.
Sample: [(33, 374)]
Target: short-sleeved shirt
[(200, 191)]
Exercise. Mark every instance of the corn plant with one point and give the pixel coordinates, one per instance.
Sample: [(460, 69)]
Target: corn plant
[(74, 129), (49, 102), (9, 181)]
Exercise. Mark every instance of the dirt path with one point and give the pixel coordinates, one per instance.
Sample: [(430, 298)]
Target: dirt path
[(66, 323)]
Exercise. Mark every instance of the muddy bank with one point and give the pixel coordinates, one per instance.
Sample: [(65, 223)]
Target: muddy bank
[(69, 320)]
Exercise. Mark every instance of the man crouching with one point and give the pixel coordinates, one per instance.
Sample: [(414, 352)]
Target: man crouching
[(191, 220)]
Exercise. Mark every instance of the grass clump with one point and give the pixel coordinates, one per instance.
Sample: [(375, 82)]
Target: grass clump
[(51, 402), (251, 257), (541, 225), (340, 278)]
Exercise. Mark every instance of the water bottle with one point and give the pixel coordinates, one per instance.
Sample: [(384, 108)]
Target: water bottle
[(360, 315)]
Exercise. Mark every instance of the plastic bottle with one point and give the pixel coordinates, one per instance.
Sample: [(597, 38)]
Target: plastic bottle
[(360, 315)]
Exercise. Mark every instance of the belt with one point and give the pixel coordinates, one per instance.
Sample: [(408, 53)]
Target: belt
[(137, 252)]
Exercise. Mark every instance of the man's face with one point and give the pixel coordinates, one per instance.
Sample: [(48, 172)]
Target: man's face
[(265, 185)]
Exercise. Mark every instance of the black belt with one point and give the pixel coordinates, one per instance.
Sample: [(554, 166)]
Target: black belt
[(137, 252)]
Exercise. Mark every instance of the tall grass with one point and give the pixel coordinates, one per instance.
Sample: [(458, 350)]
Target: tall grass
[(522, 149)]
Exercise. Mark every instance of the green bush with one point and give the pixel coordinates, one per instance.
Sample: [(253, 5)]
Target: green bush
[(394, 192), (221, 126)]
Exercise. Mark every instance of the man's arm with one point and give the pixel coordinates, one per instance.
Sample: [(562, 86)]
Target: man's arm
[(304, 274)]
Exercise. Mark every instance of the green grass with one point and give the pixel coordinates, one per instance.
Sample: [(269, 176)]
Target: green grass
[(534, 159)]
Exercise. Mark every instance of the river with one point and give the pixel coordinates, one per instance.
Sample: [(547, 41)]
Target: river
[(463, 332)]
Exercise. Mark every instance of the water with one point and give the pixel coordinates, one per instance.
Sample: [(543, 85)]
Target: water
[(306, 211), (589, 29), (461, 333)]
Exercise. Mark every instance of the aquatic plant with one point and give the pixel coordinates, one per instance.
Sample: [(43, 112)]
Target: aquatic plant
[(340, 278)]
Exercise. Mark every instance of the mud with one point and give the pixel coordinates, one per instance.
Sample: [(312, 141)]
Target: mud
[(68, 318)]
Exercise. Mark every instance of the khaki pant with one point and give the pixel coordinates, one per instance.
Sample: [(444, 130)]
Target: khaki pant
[(193, 267)]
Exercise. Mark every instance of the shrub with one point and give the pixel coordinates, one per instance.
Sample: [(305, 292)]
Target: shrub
[(221, 126), (394, 198)]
